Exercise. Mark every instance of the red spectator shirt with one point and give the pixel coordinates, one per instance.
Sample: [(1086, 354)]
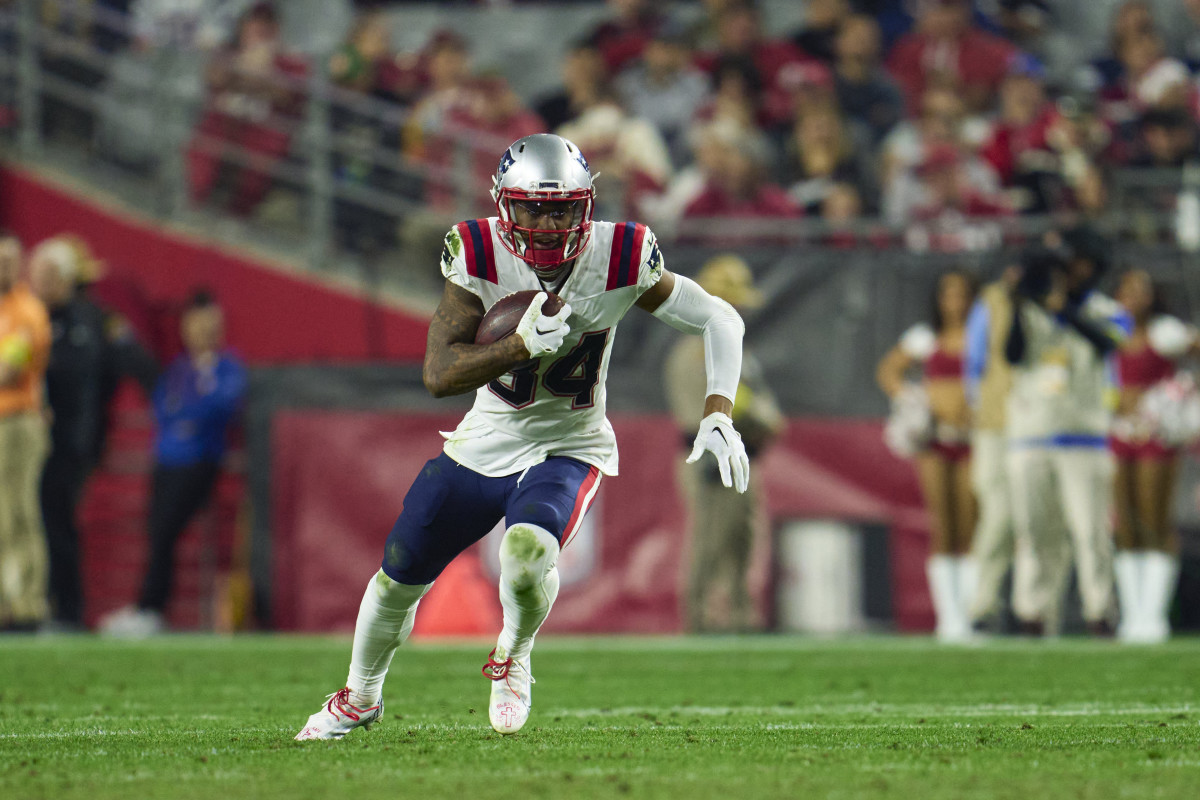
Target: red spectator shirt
[(975, 59), (973, 204), (768, 201), (620, 45), (1007, 142), (770, 58), (257, 106)]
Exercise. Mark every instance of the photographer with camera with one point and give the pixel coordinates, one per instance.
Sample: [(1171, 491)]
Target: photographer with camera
[(1059, 412)]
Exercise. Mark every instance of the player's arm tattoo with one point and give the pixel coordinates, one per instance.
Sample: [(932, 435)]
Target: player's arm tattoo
[(454, 364)]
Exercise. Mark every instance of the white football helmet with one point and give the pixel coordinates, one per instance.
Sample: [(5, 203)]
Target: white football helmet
[(545, 168)]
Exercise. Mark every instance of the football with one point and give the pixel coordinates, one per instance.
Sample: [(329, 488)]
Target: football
[(504, 315)]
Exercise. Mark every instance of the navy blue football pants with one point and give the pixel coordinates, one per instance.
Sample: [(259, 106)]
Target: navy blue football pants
[(450, 507)]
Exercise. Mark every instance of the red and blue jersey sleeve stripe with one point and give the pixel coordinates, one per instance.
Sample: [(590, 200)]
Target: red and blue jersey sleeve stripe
[(476, 235), (626, 254)]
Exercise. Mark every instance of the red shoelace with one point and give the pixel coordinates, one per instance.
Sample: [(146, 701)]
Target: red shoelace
[(496, 670), (342, 701)]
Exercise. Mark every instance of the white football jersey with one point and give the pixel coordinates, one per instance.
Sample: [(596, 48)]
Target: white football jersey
[(554, 405)]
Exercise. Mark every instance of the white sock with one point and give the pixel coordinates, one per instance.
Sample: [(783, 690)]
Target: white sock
[(385, 619), (966, 581), (1127, 568), (951, 623), (528, 586), (1160, 571)]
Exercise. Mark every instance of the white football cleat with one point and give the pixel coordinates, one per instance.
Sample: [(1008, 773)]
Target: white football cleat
[(338, 717), (511, 695)]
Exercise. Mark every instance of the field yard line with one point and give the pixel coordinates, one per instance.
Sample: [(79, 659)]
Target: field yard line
[(124, 732), (931, 710)]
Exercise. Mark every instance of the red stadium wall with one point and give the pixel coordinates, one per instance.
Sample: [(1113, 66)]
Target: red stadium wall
[(339, 479), (272, 315)]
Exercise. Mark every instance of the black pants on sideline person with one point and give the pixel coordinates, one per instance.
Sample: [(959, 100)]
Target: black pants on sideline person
[(63, 479), (177, 494)]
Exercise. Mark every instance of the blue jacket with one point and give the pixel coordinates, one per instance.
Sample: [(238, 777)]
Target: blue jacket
[(195, 409)]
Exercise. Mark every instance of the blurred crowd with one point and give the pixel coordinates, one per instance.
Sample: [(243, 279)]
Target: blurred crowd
[(935, 114), (62, 356)]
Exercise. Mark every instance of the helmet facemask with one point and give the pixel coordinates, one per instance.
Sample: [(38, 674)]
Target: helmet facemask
[(556, 230)]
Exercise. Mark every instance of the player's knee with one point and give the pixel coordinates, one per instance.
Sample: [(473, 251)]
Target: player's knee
[(400, 568), (406, 564), (395, 594), (527, 553)]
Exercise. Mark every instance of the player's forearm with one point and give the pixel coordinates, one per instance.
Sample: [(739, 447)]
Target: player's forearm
[(460, 368), (454, 364), (694, 311)]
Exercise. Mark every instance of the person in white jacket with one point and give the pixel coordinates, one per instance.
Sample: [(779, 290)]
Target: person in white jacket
[(1063, 336)]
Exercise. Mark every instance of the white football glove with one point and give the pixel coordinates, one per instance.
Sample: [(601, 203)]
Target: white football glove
[(719, 438), (541, 334)]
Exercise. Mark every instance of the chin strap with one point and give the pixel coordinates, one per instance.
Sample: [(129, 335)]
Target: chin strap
[(555, 257)]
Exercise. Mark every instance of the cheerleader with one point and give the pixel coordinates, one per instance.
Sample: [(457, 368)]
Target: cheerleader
[(937, 440), (1150, 428)]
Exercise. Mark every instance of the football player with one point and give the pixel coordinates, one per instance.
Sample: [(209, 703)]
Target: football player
[(536, 444)]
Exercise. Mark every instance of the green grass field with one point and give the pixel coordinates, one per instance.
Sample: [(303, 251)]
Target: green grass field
[(200, 717)]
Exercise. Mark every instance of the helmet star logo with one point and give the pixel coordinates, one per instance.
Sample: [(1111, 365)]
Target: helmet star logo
[(506, 161)]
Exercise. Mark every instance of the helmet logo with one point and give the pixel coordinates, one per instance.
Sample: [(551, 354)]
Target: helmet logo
[(506, 161), (579, 157)]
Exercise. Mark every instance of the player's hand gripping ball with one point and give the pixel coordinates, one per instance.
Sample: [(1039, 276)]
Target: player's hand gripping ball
[(539, 318)]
